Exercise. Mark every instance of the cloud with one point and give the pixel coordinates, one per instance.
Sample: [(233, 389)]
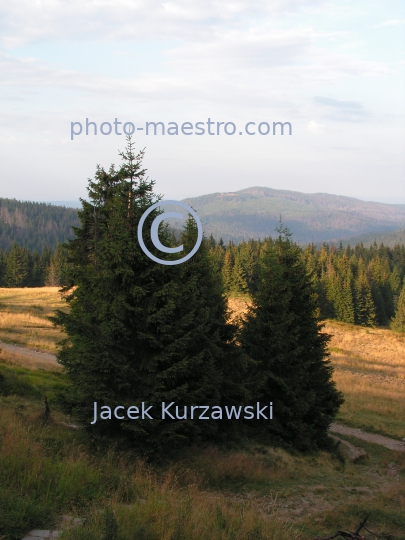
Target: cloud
[(290, 54), (255, 68), (25, 21), (254, 48)]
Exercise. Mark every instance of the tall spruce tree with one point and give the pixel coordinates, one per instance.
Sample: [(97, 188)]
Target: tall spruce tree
[(227, 269), (283, 337), (398, 322), (381, 314), (238, 278), (343, 298), (3, 266), (196, 359), (139, 331), (16, 267), (364, 305)]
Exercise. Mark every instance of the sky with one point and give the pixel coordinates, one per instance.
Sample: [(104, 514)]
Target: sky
[(333, 70)]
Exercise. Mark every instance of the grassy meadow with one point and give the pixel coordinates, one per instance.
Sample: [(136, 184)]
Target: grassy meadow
[(23, 317), (370, 371), (250, 493)]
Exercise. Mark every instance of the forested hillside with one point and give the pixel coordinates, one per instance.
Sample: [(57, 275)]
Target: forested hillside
[(358, 285), (249, 213), (34, 225), (390, 239), (311, 217)]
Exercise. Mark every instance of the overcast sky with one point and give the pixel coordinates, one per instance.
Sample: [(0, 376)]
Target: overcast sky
[(334, 70)]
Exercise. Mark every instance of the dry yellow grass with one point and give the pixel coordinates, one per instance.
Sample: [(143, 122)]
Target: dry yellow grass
[(371, 404), (23, 317), (369, 363), (370, 371), (377, 349)]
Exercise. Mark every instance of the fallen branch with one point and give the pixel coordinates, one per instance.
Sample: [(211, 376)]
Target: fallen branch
[(348, 535), (361, 524)]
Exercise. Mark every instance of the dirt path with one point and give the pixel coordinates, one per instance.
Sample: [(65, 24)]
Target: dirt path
[(32, 354), (391, 444)]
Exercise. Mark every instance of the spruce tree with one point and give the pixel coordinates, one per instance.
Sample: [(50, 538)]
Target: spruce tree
[(283, 337), (114, 288), (2, 269), (56, 273), (238, 283), (16, 267), (325, 299), (227, 269), (343, 298), (364, 305), (395, 281), (398, 323), (381, 314), (197, 362), (139, 331)]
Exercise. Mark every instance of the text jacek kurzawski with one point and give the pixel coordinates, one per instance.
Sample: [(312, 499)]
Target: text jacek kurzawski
[(171, 411)]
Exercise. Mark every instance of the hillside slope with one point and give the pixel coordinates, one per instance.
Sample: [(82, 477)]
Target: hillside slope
[(248, 213), (34, 225), (255, 213), (388, 239)]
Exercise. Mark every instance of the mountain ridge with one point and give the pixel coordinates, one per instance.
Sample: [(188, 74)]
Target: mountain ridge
[(236, 215), (312, 217)]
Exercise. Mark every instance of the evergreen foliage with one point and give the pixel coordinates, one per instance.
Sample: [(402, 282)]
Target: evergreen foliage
[(398, 323), (57, 271), (238, 283), (283, 337), (331, 271), (364, 305), (140, 331), (17, 267), (33, 225), (20, 268), (338, 276)]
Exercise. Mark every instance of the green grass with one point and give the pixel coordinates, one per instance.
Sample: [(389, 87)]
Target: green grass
[(255, 492), (33, 383)]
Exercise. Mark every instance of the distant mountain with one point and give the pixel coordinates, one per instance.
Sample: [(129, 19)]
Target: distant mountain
[(34, 225), (244, 214), (315, 217)]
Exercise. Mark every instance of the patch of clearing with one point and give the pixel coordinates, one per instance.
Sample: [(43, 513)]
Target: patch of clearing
[(24, 317)]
